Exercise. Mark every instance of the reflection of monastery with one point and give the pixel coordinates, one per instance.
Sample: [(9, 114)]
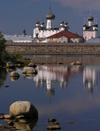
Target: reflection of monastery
[(89, 78), (50, 74)]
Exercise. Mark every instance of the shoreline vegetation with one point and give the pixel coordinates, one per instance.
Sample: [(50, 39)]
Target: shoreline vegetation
[(5, 57)]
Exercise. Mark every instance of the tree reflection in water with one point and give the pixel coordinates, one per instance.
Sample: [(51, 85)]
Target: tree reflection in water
[(3, 76)]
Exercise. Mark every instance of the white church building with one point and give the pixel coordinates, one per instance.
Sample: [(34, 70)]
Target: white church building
[(41, 32), (90, 29)]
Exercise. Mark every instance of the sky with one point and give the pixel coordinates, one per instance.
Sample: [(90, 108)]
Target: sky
[(17, 15)]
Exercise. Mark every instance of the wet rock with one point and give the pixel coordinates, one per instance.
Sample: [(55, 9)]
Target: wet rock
[(14, 74), (7, 117), (24, 71), (78, 63), (51, 120), (1, 125), (10, 123), (29, 76), (32, 64), (71, 122), (29, 70), (6, 86), (25, 126), (1, 113), (23, 108), (14, 78), (23, 121), (1, 117), (56, 123), (10, 65), (20, 117), (72, 63), (19, 65), (53, 127)]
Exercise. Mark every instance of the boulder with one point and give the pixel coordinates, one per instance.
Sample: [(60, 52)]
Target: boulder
[(10, 65), (78, 63), (14, 74), (23, 108), (14, 78), (32, 64), (29, 70)]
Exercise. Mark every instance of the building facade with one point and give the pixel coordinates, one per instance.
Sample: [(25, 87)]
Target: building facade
[(40, 31), (65, 36), (90, 30)]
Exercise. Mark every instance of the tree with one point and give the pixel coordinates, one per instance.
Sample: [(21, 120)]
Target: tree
[(3, 53)]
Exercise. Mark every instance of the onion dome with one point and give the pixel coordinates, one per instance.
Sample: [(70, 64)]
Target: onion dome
[(61, 22), (37, 22), (42, 23), (50, 16), (90, 18), (84, 25), (65, 23), (95, 25)]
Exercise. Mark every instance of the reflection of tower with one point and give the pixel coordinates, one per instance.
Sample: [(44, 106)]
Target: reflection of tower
[(89, 79), (50, 74), (50, 91)]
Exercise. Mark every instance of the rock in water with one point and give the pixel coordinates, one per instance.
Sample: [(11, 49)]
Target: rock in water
[(14, 74), (23, 108)]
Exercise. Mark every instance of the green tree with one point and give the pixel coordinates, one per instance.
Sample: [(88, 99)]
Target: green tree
[(3, 53)]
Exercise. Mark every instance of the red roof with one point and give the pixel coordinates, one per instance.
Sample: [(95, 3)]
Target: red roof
[(66, 34)]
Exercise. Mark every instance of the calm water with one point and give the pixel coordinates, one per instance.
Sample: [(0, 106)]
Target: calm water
[(66, 93)]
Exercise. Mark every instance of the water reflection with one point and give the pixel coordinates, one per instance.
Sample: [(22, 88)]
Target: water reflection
[(10, 69), (48, 75), (89, 79), (23, 126), (3, 75)]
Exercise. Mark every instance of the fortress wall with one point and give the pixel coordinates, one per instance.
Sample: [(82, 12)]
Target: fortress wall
[(53, 48)]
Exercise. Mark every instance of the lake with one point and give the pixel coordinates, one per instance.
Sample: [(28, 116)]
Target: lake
[(69, 94)]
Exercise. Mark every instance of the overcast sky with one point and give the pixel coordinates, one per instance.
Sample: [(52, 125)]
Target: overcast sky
[(17, 15)]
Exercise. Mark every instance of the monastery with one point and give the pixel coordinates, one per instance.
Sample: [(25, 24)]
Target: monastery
[(90, 29), (48, 33)]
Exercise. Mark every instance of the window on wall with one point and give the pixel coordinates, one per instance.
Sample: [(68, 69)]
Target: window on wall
[(49, 24), (37, 35)]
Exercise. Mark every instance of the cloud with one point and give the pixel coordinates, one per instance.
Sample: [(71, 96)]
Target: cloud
[(82, 5)]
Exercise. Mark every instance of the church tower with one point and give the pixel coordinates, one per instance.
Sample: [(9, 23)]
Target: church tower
[(90, 30), (50, 17)]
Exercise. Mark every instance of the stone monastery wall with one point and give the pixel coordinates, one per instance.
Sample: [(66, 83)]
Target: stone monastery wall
[(53, 48)]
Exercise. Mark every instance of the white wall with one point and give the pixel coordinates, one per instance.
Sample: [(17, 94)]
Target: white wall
[(90, 34)]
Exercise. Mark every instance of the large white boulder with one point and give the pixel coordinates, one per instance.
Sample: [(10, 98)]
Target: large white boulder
[(23, 108)]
